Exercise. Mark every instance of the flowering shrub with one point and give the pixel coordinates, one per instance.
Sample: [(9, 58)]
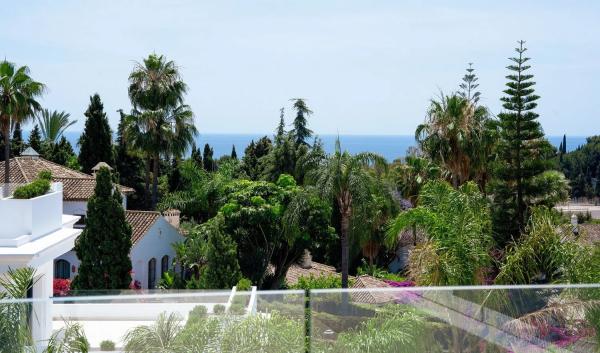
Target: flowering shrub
[(404, 297), (61, 287)]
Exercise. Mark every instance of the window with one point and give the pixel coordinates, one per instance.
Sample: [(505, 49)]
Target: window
[(164, 265), (152, 273), (62, 269)]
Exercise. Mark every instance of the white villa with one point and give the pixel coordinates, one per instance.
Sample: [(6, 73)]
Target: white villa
[(33, 234), (153, 233)]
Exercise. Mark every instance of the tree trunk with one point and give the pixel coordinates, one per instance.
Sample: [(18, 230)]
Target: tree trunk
[(147, 182), (345, 228), (155, 182), (6, 135)]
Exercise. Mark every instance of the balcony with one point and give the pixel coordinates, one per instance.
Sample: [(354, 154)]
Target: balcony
[(545, 318)]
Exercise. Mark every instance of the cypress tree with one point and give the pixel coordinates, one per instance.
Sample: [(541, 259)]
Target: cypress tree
[(61, 152), (104, 245), (130, 167), (564, 144), (16, 143), (96, 141), (521, 149), (469, 85), (233, 153), (301, 131), (35, 139), (196, 156), (207, 158), (222, 268)]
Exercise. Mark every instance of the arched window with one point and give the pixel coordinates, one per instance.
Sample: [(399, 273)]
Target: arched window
[(164, 265), (152, 273), (62, 269)]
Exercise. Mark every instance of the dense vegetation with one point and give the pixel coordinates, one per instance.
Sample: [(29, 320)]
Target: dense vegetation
[(473, 188)]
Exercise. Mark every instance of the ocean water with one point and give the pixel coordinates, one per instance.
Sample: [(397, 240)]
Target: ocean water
[(389, 146)]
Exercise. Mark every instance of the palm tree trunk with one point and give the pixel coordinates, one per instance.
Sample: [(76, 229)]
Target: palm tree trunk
[(147, 182), (155, 182), (6, 135), (344, 228)]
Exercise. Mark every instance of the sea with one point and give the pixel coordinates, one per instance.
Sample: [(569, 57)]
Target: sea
[(389, 146)]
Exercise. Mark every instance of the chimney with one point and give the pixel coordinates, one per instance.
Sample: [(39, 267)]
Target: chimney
[(172, 216), (306, 260), (97, 167)]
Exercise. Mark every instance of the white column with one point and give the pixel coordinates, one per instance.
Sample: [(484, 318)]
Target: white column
[(41, 318)]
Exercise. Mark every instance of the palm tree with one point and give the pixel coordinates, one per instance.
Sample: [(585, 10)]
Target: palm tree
[(452, 135), (347, 180), (15, 331), (18, 93), (53, 124), (160, 124), (160, 337)]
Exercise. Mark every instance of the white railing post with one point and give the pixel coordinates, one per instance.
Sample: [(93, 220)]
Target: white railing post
[(230, 300), (251, 310)]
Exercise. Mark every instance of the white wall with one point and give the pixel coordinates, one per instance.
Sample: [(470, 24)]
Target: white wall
[(75, 207), (156, 244)]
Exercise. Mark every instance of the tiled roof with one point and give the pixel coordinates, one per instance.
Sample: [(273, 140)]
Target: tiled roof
[(371, 297), (590, 233), (77, 186), (316, 269), (141, 222)]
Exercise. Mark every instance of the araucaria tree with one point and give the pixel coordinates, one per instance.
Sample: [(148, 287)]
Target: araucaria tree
[(104, 245), (346, 180), (18, 94), (160, 123), (95, 144), (522, 152), (301, 131)]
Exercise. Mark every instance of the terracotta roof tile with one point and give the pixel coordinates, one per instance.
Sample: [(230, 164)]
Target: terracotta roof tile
[(590, 233), (141, 222), (317, 269), (77, 186), (374, 297)]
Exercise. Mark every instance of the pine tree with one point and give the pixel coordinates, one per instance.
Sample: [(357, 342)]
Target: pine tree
[(301, 131), (222, 269), (35, 139), (469, 85), (16, 143), (104, 245), (521, 152), (207, 158), (233, 153), (96, 141), (196, 156)]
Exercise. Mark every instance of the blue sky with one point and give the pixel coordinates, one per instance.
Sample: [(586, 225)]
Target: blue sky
[(366, 67)]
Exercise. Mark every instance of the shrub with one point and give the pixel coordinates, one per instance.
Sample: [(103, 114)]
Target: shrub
[(196, 314), (244, 284), (107, 346), (318, 282), (36, 188), (237, 308), (219, 309)]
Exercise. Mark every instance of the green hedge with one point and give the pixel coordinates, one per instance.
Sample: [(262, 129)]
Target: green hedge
[(36, 188)]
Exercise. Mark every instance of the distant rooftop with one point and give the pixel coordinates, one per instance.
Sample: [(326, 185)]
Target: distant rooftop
[(78, 186)]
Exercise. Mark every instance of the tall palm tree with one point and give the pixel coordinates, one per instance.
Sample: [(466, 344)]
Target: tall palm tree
[(347, 180), (160, 123), (18, 94), (53, 124), (453, 134)]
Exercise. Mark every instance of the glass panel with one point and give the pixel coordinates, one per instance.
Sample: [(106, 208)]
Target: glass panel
[(474, 319)]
